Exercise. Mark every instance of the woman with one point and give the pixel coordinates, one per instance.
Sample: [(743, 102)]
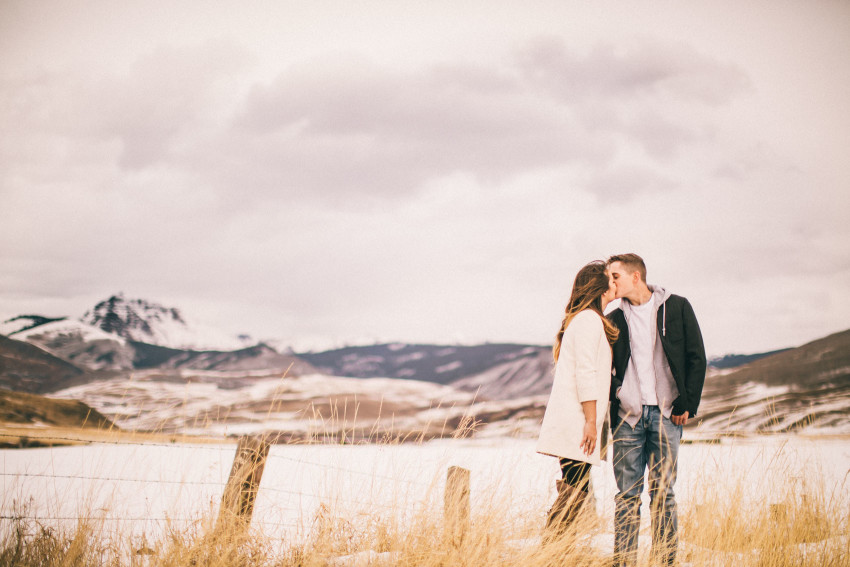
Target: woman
[(578, 403)]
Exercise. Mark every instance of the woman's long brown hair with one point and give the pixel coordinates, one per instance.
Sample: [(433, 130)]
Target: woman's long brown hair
[(590, 284)]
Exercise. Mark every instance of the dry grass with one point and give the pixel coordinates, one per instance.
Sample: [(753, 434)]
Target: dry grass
[(334, 540), (799, 523), (33, 435), (727, 523)]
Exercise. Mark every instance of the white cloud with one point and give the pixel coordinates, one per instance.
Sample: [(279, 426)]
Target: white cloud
[(344, 188)]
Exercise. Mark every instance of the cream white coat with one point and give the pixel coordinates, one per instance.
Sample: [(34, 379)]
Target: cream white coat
[(583, 373)]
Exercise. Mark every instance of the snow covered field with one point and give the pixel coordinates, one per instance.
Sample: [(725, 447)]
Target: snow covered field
[(242, 403), (141, 489)]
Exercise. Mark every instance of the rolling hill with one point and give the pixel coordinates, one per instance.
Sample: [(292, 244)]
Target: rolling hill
[(807, 387), (27, 368), (21, 408)]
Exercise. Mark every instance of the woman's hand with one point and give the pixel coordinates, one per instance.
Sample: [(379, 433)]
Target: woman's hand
[(588, 435), (588, 439)]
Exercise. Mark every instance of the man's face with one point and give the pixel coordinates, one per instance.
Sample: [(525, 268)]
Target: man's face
[(623, 281)]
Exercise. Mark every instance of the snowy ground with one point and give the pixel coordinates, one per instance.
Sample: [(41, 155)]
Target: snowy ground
[(317, 406), (241, 403), (140, 489)]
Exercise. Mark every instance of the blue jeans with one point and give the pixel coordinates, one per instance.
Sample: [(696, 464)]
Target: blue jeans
[(654, 444)]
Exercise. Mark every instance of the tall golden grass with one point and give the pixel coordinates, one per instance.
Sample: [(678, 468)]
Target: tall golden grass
[(733, 522)]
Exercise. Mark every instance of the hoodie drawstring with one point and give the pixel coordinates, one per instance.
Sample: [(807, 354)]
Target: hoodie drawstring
[(664, 321)]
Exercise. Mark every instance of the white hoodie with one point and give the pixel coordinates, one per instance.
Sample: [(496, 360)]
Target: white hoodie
[(666, 390)]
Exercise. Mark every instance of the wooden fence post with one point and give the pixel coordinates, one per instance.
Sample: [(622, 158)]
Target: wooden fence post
[(237, 504), (456, 504)]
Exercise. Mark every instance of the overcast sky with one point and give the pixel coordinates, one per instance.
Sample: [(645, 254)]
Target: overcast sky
[(323, 172)]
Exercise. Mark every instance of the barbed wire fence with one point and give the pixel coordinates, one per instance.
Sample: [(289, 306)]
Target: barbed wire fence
[(330, 488)]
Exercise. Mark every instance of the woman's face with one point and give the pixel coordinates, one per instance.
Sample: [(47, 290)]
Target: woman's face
[(610, 294)]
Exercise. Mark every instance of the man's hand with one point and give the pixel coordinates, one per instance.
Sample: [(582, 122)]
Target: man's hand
[(680, 419)]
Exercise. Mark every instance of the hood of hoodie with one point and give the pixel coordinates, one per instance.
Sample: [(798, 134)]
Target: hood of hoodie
[(660, 295)]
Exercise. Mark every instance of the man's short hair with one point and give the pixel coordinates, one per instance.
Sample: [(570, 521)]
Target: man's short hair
[(631, 262)]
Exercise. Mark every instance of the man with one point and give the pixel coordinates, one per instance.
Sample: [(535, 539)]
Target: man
[(656, 384)]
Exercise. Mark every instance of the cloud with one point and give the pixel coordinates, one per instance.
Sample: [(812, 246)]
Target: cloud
[(365, 129), (165, 99), (648, 69), (170, 148), (335, 129), (138, 118), (331, 193), (343, 130), (624, 183)]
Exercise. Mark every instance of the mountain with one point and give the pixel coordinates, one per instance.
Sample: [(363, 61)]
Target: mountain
[(314, 407), (735, 360), (503, 385), (800, 389), (76, 342), (531, 373), (147, 322), (59, 353), (255, 358), (442, 364), (493, 371), (528, 373), (803, 389), (807, 387), (108, 341), (27, 368)]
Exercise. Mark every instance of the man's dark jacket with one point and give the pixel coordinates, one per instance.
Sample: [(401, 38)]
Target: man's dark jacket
[(682, 341)]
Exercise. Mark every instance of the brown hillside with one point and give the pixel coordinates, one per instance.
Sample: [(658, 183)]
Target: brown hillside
[(808, 386), (27, 368), (822, 362), (24, 408)]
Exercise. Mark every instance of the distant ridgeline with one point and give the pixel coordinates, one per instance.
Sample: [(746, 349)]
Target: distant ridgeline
[(442, 364), (736, 360)]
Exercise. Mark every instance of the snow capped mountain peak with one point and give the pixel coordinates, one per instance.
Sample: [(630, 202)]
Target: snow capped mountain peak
[(148, 322), (129, 317)]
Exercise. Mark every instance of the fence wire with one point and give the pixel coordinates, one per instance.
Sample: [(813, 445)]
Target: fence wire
[(275, 504), (110, 479)]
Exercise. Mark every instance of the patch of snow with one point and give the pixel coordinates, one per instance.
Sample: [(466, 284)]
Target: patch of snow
[(405, 358), (359, 358), (191, 335), (755, 390), (16, 324), (527, 351), (366, 559), (448, 367), (70, 327)]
